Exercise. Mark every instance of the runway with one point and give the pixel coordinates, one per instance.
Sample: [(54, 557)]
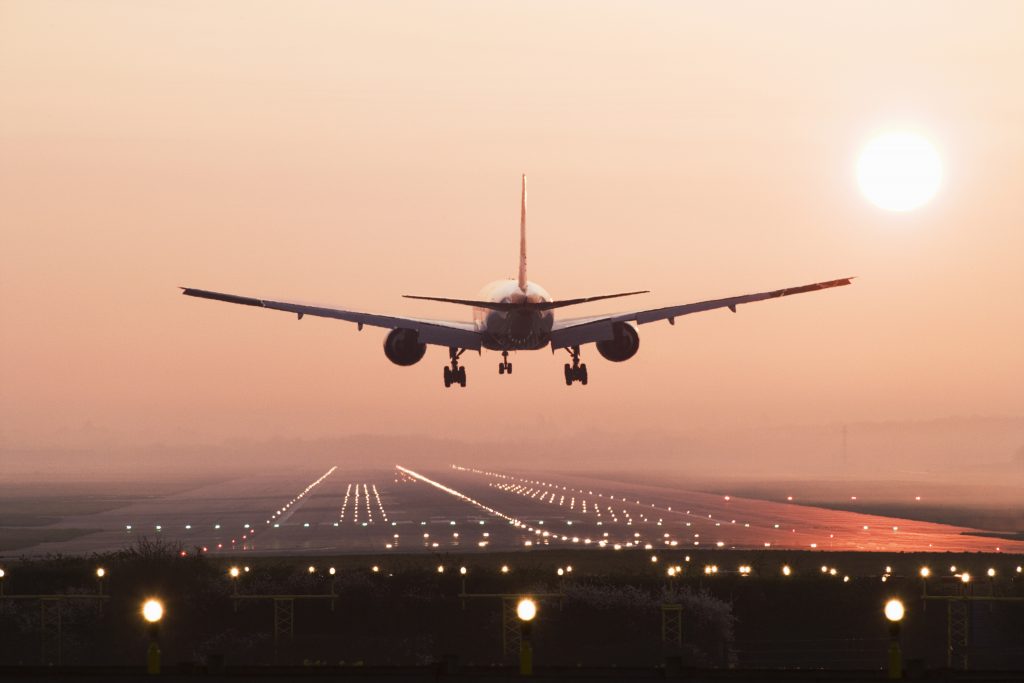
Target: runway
[(342, 510)]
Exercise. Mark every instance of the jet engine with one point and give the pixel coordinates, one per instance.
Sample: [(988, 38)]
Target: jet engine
[(622, 346), (402, 346)]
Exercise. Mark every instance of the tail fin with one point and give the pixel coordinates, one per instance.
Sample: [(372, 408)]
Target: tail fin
[(522, 239)]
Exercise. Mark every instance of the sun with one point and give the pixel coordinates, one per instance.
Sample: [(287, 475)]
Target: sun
[(899, 171)]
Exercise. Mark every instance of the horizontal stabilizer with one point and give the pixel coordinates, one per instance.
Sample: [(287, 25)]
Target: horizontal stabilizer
[(537, 306)]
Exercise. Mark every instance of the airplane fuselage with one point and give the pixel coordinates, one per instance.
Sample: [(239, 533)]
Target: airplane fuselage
[(517, 329)]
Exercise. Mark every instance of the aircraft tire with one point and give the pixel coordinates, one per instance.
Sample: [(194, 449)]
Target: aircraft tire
[(447, 377), (583, 374)]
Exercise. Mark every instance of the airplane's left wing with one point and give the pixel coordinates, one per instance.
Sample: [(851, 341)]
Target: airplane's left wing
[(439, 332), (577, 331)]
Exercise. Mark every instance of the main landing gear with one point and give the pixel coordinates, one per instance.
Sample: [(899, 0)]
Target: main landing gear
[(577, 372), (454, 374), (504, 367)]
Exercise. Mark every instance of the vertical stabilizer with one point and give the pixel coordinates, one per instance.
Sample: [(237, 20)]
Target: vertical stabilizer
[(522, 239)]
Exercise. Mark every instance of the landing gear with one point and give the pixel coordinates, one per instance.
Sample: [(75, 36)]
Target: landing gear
[(454, 374), (576, 372), (504, 367)]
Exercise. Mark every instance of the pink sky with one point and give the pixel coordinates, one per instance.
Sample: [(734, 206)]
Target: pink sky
[(347, 153)]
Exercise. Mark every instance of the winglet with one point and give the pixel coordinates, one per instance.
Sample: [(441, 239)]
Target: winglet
[(522, 239)]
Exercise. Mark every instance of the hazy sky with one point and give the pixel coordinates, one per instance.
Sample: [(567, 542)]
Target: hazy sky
[(347, 153)]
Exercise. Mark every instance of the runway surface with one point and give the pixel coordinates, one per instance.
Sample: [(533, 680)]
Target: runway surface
[(348, 511)]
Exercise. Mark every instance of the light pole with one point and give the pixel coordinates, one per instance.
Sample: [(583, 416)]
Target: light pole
[(894, 613), (526, 610), (153, 612)]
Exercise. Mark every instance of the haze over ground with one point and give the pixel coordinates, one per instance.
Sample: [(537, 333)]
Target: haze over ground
[(346, 154)]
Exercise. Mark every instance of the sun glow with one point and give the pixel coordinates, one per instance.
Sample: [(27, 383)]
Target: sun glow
[(899, 171)]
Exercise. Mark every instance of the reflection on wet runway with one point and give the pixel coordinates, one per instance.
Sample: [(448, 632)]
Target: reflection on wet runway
[(404, 509)]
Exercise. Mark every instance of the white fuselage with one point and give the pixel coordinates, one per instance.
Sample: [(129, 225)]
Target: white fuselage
[(513, 330)]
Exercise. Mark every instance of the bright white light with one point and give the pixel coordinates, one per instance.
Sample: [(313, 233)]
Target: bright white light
[(234, 572), (526, 610), (100, 572), (894, 610), (152, 611), (786, 571), (925, 572), (899, 171)]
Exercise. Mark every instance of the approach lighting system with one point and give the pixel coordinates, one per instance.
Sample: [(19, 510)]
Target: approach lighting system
[(311, 569), (894, 610), (965, 577), (234, 572), (925, 572), (153, 611), (991, 573), (526, 609), (100, 572), (786, 571)]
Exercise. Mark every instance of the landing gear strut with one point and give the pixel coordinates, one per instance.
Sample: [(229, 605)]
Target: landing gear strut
[(504, 367), (454, 374), (577, 372)]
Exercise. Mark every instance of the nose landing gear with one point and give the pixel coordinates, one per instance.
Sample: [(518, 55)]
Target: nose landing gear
[(504, 367), (454, 374), (577, 372)]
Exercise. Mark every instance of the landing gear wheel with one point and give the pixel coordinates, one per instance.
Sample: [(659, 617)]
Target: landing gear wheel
[(454, 374), (501, 368), (575, 372), (508, 368)]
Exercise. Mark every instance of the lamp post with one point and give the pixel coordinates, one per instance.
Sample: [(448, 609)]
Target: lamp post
[(153, 613), (894, 613), (526, 610)]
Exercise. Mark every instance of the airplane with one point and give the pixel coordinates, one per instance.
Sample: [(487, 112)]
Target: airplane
[(514, 315)]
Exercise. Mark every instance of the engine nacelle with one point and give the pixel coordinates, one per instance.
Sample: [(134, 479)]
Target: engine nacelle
[(622, 346), (402, 347)]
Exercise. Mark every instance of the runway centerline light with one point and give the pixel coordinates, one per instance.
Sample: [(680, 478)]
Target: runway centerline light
[(526, 609), (894, 610), (152, 610)]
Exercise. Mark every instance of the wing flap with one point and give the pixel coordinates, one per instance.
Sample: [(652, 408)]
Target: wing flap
[(437, 332), (574, 332)]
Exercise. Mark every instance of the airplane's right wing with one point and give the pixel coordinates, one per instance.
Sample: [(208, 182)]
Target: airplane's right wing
[(577, 331), (438, 332)]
